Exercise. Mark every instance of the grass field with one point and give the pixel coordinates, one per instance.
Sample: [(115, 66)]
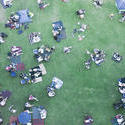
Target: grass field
[(91, 91)]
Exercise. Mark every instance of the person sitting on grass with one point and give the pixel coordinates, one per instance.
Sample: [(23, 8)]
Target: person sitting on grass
[(81, 13), (42, 4), (82, 28), (116, 57), (51, 92), (67, 49), (11, 109), (111, 16), (88, 120), (88, 63), (28, 106), (97, 3)]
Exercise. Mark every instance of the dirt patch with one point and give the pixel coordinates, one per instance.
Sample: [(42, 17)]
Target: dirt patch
[(2, 15)]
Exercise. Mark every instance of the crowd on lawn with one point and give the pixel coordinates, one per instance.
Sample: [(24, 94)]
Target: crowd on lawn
[(36, 115)]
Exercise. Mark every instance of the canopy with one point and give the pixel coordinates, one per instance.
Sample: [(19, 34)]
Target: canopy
[(120, 5), (24, 117), (24, 16)]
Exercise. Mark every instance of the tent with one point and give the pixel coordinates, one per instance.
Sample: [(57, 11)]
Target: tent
[(24, 16), (120, 5)]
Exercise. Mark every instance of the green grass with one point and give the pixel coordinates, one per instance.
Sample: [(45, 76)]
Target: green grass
[(91, 91)]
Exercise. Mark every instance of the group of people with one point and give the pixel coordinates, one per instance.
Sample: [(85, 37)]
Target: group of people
[(34, 37), (43, 53), (4, 96), (55, 85), (14, 57), (13, 21), (19, 20), (118, 120), (34, 76), (58, 31), (35, 73), (30, 114), (97, 57), (81, 29)]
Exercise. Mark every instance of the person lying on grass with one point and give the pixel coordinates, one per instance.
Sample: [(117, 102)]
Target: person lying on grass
[(2, 37), (42, 4)]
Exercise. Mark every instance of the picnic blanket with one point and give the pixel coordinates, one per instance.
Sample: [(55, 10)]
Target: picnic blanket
[(38, 122), (15, 59), (20, 67), (14, 119), (24, 16), (58, 26), (36, 116)]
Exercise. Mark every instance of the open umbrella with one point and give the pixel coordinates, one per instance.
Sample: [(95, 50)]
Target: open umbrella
[(24, 118)]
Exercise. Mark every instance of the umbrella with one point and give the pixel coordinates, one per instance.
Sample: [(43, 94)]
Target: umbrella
[(24, 117)]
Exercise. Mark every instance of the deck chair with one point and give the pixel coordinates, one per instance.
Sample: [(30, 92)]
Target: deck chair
[(15, 59)]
